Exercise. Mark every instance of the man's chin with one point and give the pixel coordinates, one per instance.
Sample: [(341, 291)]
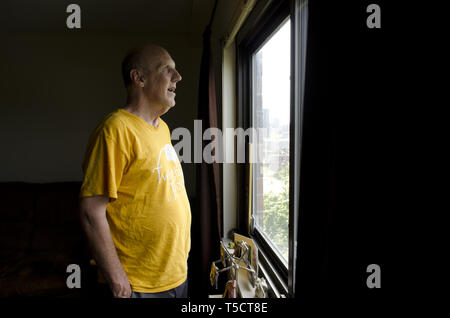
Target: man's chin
[(167, 108), (170, 102)]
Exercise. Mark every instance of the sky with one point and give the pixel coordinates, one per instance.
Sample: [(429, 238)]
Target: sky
[(275, 74)]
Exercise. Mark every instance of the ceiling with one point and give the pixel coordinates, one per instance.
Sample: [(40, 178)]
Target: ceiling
[(151, 16)]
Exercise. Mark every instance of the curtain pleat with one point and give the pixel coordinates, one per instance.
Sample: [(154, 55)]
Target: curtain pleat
[(206, 216)]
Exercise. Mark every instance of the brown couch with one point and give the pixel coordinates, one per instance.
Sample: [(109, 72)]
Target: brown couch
[(39, 237)]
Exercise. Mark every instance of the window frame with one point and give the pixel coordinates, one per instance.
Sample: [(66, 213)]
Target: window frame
[(266, 18)]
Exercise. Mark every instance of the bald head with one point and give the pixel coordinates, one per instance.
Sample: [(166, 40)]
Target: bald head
[(144, 58)]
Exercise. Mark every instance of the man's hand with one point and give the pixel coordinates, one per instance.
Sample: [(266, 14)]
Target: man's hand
[(121, 288), (95, 225)]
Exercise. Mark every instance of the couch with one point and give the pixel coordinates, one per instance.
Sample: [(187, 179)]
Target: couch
[(40, 236)]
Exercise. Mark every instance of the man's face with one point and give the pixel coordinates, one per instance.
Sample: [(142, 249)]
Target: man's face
[(161, 82)]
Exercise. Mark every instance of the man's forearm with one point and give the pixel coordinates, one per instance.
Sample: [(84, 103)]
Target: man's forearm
[(102, 247)]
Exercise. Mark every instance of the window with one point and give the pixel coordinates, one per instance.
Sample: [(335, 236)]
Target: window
[(271, 51), (271, 115)]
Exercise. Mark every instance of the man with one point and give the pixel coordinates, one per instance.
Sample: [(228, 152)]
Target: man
[(133, 204)]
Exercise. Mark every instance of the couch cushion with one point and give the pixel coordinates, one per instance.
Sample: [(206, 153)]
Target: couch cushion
[(16, 201), (15, 235), (39, 237), (63, 238), (57, 203), (37, 274), (8, 257)]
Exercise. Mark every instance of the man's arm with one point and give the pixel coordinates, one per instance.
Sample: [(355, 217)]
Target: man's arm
[(96, 228)]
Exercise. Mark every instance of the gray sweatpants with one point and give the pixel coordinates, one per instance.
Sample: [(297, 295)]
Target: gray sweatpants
[(177, 292)]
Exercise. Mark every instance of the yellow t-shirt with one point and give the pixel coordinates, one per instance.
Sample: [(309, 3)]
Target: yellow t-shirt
[(148, 214)]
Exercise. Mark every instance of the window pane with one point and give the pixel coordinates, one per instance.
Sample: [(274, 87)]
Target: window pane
[(271, 111)]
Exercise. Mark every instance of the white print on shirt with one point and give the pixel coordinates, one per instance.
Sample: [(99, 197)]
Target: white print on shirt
[(173, 174)]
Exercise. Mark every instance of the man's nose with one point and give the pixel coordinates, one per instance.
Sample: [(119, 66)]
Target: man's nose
[(177, 77)]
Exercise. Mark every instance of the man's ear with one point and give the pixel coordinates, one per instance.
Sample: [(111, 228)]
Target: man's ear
[(137, 77)]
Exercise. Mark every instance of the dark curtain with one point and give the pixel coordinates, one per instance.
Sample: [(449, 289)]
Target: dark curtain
[(345, 213), (206, 216)]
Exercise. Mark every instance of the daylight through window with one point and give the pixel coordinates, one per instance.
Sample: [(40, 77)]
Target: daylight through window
[(271, 111)]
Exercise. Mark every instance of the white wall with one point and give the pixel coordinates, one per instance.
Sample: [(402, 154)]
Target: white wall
[(229, 121)]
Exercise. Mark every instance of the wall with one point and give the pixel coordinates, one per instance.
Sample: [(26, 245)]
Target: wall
[(55, 88), (229, 121), (224, 61)]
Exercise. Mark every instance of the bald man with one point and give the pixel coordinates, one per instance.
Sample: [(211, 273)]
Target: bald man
[(133, 203)]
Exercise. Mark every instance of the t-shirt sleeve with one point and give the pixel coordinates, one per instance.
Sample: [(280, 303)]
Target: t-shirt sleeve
[(103, 167)]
